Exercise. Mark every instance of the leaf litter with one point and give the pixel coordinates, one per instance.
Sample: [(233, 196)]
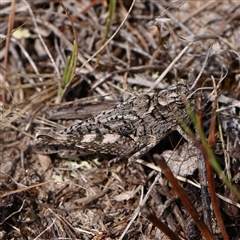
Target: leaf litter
[(45, 197)]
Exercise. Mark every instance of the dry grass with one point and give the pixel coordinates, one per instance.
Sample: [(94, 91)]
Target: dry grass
[(44, 197)]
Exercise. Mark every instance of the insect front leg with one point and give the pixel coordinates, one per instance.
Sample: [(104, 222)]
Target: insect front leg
[(183, 133), (152, 141)]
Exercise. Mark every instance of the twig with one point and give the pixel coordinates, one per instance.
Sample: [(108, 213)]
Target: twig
[(181, 194), (41, 39), (160, 78), (107, 42)]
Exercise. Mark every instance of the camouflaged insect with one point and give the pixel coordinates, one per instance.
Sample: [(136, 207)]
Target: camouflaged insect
[(129, 129)]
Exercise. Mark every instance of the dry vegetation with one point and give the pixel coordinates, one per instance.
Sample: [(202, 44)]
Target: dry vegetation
[(45, 197)]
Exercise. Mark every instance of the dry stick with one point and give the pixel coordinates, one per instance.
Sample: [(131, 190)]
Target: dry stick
[(160, 78), (22, 189), (202, 169), (101, 48), (69, 45), (181, 23), (125, 70), (142, 203), (67, 226), (26, 54), (9, 32), (210, 177), (199, 10), (159, 224), (13, 213), (47, 228), (41, 39), (202, 68), (134, 215), (181, 194)]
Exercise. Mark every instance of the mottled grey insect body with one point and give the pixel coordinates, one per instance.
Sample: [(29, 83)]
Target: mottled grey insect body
[(129, 129)]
